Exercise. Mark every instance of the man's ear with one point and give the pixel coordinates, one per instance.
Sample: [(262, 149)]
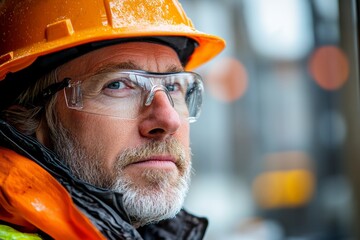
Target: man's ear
[(42, 133)]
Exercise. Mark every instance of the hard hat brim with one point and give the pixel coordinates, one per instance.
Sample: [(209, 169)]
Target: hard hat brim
[(208, 47)]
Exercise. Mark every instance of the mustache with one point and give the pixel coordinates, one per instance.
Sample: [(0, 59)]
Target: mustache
[(170, 147)]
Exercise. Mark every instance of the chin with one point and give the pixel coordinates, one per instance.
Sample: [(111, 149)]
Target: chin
[(156, 196)]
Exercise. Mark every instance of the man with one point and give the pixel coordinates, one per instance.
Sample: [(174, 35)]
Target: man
[(96, 101)]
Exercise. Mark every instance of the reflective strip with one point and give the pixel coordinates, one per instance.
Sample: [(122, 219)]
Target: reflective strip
[(8, 233)]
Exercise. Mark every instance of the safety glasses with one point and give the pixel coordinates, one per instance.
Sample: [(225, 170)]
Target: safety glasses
[(126, 93)]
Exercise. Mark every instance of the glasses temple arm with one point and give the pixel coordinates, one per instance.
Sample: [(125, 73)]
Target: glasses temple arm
[(50, 91)]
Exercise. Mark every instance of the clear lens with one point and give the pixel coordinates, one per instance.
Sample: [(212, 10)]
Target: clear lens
[(124, 94)]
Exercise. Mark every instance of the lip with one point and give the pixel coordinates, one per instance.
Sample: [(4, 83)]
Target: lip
[(156, 162)]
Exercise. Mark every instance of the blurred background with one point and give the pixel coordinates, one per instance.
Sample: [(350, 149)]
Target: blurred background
[(276, 150)]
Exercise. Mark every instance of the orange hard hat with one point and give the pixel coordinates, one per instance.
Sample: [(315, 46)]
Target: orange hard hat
[(30, 29)]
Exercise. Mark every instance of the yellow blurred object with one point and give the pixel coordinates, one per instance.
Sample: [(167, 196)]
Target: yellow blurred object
[(287, 188), (44, 27)]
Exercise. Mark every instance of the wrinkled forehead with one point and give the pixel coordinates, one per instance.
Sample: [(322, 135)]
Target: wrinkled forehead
[(145, 56)]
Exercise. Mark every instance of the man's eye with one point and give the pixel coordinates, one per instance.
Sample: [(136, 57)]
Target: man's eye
[(116, 85), (173, 87)]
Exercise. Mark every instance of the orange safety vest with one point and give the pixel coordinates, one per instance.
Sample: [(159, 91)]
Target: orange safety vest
[(32, 199)]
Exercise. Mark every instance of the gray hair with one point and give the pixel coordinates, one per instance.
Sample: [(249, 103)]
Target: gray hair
[(24, 115)]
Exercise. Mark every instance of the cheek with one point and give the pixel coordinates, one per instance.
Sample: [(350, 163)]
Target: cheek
[(102, 137), (183, 136), (107, 137)]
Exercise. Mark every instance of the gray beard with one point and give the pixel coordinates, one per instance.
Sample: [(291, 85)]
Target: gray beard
[(164, 193)]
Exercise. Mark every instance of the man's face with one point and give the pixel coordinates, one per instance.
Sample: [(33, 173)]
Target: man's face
[(147, 158)]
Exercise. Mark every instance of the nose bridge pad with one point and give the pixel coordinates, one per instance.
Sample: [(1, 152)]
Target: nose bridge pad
[(154, 89)]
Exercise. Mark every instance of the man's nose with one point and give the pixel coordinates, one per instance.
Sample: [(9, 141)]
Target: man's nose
[(160, 119)]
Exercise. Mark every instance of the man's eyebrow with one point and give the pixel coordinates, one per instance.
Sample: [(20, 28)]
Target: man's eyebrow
[(129, 65), (112, 67), (174, 68)]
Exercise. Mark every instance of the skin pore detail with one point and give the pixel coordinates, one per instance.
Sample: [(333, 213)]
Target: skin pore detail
[(108, 60)]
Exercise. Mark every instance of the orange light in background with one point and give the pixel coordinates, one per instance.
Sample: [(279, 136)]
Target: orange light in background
[(278, 189), (329, 67), (227, 80), (287, 180)]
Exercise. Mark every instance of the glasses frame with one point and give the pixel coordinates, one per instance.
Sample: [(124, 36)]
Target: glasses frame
[(75, 102)]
